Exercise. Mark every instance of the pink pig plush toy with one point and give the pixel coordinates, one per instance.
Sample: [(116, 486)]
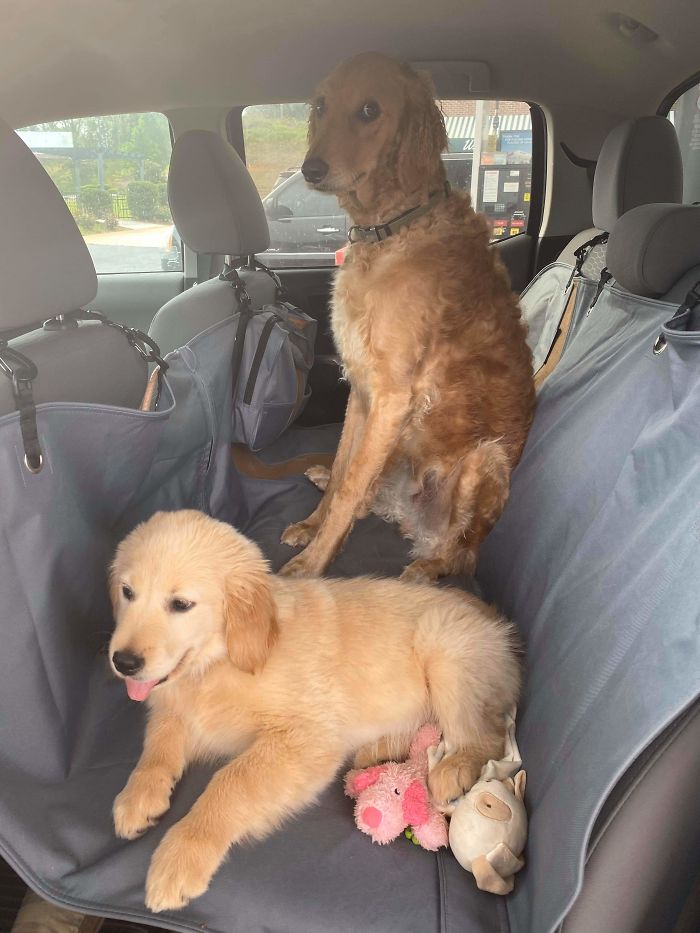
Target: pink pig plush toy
[(392, 796)]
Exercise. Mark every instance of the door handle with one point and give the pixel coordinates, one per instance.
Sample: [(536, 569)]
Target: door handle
[(327, 230)]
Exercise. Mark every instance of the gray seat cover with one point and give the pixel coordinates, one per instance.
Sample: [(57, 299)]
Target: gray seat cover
[(596, 557)]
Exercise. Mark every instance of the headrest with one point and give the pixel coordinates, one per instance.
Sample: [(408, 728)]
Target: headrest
[(45, 266), (639, 163), (214, 202), (652, 246)]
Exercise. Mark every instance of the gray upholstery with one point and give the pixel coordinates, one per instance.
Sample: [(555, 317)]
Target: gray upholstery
[(595, 556), (45, 266), (680, 289), (46, 271), (641, 862), (199, 307), (88, 363), (567, 254), (653, 245), (214, 202), (217, 209), (639, 163)]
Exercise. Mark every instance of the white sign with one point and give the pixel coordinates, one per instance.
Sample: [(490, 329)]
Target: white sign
[(510, 186), (490, 195), (47, 140)]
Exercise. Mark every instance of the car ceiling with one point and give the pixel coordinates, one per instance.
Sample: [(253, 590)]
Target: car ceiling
[(64, 58)]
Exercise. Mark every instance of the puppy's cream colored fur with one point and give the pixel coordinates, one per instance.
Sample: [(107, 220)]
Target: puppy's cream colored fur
[(290, 677)]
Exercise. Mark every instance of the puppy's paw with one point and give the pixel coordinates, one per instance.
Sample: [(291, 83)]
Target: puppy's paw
[(420, 571), (181, 869), (300, 566), (319, 476), (145, 798), (299, 535), (453, 776)]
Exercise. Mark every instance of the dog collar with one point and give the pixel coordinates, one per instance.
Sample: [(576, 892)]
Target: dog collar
[(380, 232)]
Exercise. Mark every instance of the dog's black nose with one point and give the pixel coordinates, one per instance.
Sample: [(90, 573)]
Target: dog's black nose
[(127, 663), (314, 170)]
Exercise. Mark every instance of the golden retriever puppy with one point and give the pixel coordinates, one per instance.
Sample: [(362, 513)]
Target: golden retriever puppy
[(284, 679), (429, 331)]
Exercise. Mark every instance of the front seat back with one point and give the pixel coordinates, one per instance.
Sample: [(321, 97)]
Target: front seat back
[(217, 211), (47, 277), (639, 163)]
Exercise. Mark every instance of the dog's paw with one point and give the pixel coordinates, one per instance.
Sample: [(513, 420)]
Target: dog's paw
[(299, 535), (300, 566), (453, 776), (319, 476), (143, 801), (181, 869)]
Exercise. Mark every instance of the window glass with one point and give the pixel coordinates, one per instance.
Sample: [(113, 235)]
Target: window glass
[(113, 172), (308, 227), (685, 116)]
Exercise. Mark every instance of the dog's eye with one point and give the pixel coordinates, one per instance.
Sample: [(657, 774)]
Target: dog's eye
[(180, 605), (320, 107), (397, 792), (369, 111), (127, 592)]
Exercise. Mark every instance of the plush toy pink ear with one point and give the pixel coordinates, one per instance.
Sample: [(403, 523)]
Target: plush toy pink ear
[(357, 781), (415, 804)]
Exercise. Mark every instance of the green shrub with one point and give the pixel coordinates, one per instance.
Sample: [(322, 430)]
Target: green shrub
[(153, 171), (95, 203), (162, 196), (162, 215), (142, 197)]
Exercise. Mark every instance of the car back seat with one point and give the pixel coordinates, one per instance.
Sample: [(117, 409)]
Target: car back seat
[(643, 855), (595, 555), (47, 275), (217, 211)]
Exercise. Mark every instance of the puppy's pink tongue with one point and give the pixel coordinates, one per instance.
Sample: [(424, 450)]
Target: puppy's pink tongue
[(139, 689)]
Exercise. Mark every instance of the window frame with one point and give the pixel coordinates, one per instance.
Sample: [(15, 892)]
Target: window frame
[(669, 100)]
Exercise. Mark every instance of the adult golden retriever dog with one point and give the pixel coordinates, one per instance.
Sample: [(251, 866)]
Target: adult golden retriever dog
[(284, 679), (441, 386)]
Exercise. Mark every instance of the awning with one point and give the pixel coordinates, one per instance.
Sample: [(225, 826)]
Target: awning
[(463, 127)]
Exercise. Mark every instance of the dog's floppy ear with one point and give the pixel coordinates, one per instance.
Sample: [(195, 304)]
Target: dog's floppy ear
[(249, 615), (422, 134)]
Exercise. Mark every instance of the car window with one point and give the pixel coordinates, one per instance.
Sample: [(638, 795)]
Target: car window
[(685, 116), (302, 201), (113, 173), (497, 133)]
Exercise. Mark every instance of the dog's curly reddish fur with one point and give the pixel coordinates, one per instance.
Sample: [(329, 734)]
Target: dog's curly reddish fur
[(429, 332)]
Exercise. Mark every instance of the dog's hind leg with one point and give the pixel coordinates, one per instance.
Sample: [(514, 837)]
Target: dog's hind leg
[(477, 500), (388, 748), (471, 684)]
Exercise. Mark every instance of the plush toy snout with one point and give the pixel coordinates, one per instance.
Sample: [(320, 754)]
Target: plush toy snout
[(371, 816)]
